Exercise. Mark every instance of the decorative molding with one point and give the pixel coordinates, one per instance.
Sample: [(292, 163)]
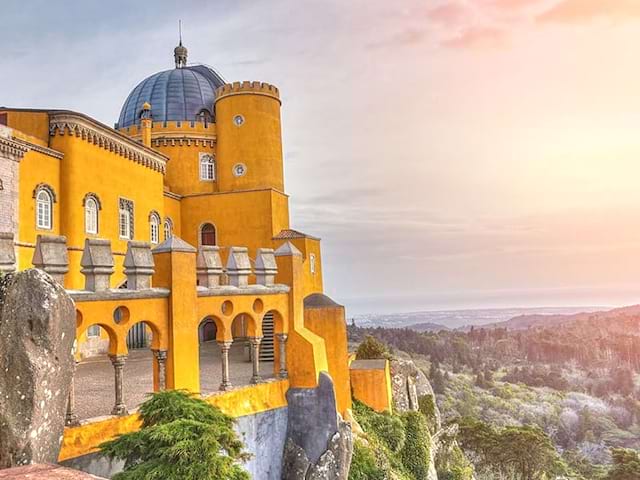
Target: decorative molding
[(181, 141), (12, 149), (154, 213), (47, 188), (106, 138), (127, 205), (169, 194), (95, 198)]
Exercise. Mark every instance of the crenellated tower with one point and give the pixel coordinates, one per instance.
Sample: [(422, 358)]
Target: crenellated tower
[(249, 138)]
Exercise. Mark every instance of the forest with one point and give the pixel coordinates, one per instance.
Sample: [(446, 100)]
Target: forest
[(576, 383)]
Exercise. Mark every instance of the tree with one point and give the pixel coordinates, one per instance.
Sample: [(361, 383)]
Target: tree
[(438, 382), (518, 453), (181, 437), (626, 465), (371, 349)]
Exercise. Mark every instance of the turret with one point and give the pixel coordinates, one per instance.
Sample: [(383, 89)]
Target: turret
[(249, 139), (145, 124)]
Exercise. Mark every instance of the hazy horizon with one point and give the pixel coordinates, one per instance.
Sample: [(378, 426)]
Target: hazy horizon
[(449, 152)]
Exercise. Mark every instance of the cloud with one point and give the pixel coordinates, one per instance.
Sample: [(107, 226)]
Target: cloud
[(412, 36), (508, 4), (449, 14), (477, 37), (573, 11)]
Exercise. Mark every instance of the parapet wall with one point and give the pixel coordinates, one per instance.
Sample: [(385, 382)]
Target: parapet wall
[(247, 88)]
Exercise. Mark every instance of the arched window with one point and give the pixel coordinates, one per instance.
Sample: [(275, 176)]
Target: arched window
[(91, 215), (154, 227), (205, 117), (312, 263), (44, 209), (168, 228), (207, 167), (207, 234)]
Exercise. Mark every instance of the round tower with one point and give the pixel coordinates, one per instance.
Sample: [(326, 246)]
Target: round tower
[(249, 139)]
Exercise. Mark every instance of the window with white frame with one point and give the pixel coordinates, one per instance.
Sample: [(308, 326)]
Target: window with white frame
[(207, 167), (312, 264), (125, 224), (91, 216), (168, 228), (44, 208), (154, 227), (125, 219)]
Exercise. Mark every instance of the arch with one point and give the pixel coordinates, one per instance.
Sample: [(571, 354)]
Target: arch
[(138, 337), (204, 116), (208, 234), (114, 342), (154, 227), (279, 325), (245, 325), (46, 187), (167, 228)]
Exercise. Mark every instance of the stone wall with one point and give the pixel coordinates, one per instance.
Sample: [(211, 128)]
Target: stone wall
[(8, 185), (264, 435)]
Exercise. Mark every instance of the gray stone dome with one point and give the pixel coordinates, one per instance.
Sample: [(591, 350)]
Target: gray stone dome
[(180, 94)]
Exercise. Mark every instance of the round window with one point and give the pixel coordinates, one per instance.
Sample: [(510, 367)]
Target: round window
[(238, 120), (239, 169)]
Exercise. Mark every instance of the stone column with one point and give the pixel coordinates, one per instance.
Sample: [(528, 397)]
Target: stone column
[(226, 382), (282, 345), (71, 419), (161, 359), (238, 266), (255, 358), (118, 366)]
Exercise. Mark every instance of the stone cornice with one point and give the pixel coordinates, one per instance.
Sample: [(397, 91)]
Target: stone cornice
[(39, 148), (63, 123), (12, 149)]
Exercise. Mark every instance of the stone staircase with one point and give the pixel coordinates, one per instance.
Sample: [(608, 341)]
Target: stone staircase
[(267, 346)]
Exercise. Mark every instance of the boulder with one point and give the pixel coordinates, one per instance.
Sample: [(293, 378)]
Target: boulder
[(333, 464), (319, 444), (408, 384), (37, 333)]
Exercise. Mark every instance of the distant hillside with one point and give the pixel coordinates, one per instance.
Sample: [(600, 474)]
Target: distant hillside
[(428, 327), (524, 322)]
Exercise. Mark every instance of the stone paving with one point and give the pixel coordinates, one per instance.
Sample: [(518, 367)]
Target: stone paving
[(94, 380)]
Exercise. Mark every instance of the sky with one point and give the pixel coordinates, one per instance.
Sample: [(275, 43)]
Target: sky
[(450, 153)]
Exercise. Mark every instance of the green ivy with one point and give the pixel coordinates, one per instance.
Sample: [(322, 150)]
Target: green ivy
[(415, 454)]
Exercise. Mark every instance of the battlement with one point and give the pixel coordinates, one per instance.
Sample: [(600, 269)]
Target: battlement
[(246, 88), (175, 126)]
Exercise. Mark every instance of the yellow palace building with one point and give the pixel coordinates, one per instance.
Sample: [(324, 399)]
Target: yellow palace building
[(171, 231)]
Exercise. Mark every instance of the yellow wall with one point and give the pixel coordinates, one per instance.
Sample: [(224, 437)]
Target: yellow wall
[(373, 387), (329, 324), (172, 209), (34, 169), (35, 124), (245, 219), (89, 168)]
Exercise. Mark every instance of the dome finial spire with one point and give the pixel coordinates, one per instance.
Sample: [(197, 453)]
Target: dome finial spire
[(180, 52)]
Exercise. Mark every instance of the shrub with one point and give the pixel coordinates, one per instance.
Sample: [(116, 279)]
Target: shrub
[(427, 406), (415, 454), (181, 437), (371, 349), (363, 464)]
